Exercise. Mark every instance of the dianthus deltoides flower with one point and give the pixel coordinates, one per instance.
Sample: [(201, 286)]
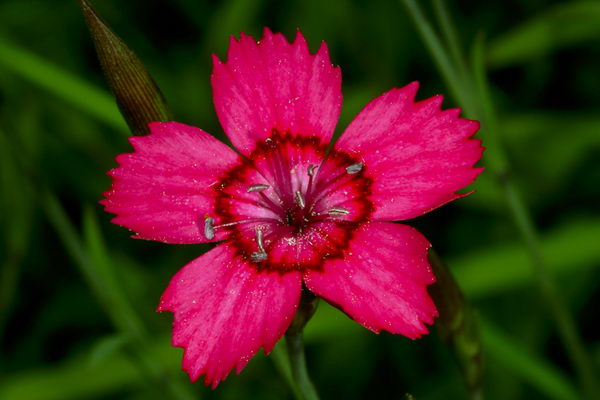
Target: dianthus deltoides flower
[(286, 212)]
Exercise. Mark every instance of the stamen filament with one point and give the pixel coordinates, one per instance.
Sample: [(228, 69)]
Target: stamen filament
[(270, 202), (300, 199), (328, 184), (259, 240), (261, 255), (311, 178), (244, 221)]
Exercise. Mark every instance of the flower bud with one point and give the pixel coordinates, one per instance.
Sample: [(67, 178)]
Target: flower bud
[(137, 95), (457, 324)]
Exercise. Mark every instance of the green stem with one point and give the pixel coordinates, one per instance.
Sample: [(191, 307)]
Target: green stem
[(562, 316), (567, 327), (295, 347), (452, 77), (60, 83), (302, 386), (475, 98), (451, 35), (282, 363)]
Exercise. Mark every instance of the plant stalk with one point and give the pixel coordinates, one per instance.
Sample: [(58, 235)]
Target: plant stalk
[(304, 388), (295, 347), (472, 92)]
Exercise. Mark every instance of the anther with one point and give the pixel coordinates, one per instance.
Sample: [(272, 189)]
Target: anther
[(354, 168), (300, 199), (311, 170), (261, 254), (258, 257), (338, 211), (257, 188), (209, 229)]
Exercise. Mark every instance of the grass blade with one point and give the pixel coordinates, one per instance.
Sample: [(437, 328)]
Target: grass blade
[(564, 25), (539, 374), (108, 293), (61, 84)]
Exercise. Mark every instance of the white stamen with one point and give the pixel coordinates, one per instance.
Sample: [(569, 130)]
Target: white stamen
[(300, 199), (257, 188), (338, 211), (354, 168), (261, 254), (311, 170), (209, 224), (259, 240), (209, 229)]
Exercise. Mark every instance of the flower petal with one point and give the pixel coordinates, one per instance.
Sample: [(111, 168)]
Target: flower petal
[(417, 155), (381, 282), (275, 85), (162, 191), (225, 311)]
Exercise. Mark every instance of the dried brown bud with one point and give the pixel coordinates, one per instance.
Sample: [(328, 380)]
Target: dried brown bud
[(138, 96)]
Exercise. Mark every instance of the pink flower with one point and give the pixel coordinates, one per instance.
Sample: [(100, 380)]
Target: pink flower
[(287, 213)]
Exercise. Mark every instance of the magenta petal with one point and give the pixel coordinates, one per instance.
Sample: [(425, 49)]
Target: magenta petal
[(225, 311), (417, 155), (275, 85), (163, 190), (382, 281)]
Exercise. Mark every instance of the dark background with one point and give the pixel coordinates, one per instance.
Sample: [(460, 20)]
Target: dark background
[(77, 295)]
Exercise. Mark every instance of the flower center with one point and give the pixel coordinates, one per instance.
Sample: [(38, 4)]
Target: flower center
[(288, 207)]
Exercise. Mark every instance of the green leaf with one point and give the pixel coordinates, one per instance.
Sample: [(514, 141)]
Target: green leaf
[(138, 96), (75, 379), (106, 282), (564, 25), (60, 83), (531, 369), (71, 381), (569, 249), (231, 17), (105, 348), (561, 141), (96, 268), (456, 83), (16, 216)]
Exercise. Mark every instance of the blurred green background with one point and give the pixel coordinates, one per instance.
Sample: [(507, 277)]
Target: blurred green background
[(77, 295)]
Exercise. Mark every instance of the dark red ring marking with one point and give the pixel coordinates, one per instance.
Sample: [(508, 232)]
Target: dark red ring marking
[(329, 251)]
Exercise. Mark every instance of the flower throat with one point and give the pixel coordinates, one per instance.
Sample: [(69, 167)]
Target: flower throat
[(288, 196)]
